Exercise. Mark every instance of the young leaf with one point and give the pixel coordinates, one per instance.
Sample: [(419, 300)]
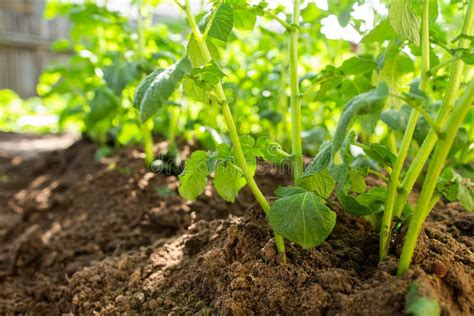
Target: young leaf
[(404, 20), (380, 33), (455, 188), (244, 19), (270, 150), (195, 90), (352, 206), (222, 23), (228, 180), (193, 180), (319, 182), (158, 87), (321, 161), (302, 218), (211, 73), (366, 103), (357, 66)]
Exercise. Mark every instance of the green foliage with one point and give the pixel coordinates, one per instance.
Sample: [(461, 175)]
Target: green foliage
[(456, 188), (193, 180), (158, 87), (405, 20), (370, 102), (222, 22), (356, 98), (302, 218), (380, 33), (319, 182)]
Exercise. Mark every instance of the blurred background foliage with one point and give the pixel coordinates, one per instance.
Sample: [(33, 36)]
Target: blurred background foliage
[(113, 47)]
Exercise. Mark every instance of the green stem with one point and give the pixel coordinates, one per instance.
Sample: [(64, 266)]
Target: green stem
[(147, 128), (424, 203), (385, 228), (275, 17), (430, 141), (212, 17), (421, 111), (378, 174), (295, 100), (233, 132), (447, 62)]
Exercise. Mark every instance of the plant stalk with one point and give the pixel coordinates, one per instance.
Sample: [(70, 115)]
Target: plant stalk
[(233, 131), (424, 204), (295, 100), (385, 228), (430, 141)]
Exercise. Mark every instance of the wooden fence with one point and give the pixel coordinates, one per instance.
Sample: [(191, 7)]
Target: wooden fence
[(25, 38)]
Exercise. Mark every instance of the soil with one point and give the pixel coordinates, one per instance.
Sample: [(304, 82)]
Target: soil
[(81, 236)]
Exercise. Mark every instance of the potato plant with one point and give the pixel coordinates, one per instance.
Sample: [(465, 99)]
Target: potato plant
[(376, 93)]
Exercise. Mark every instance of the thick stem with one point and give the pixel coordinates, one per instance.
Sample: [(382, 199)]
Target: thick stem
[(295, 100), (385, 228), (424, 204), (428, 144), (233, 132)]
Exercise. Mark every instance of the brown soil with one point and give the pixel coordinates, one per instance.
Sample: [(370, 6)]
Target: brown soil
[(81, 236)]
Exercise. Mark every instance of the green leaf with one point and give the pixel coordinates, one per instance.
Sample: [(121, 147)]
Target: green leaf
[(222, 24), (120, 74), (357, 66), (195, 90), (341, 160), (102, 105), (310, 13), (418, 305), (302, 218), (357, 181), (382, 32), (418, 8), (321, 161), (352, 206), (456, 188), (158, 87), (193, 180), (228, 180), (381, 154), (404, 20), (244, 19), (270, 150), (374, 199), (289, 191), (366, 103), (211, 73), (320, 183), (194, 53)]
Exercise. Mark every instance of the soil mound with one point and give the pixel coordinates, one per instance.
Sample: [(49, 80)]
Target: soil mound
[(81, 236)]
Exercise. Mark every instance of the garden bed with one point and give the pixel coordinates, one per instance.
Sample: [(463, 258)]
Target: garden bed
[(82, 236)]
